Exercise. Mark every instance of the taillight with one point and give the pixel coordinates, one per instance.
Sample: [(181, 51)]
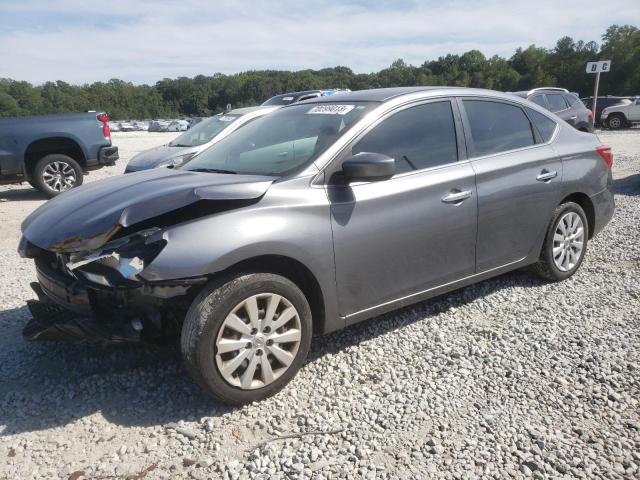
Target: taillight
[(104, 118), (590, 113), (605, 152)]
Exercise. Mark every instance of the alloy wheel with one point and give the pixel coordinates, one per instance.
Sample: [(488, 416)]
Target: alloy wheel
[(568, 241), (258, 341), (59, 176)]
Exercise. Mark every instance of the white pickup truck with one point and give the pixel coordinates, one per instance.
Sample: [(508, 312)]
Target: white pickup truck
[(622, 115)]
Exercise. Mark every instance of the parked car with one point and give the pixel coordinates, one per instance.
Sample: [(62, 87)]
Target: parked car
[(622, 115), (178, 126), (603, 102), (126, 127), (140, 126), (315, 217), (563, 103), (292, 97), (158, 126), (52, 152), (198, 138), (114, 126)]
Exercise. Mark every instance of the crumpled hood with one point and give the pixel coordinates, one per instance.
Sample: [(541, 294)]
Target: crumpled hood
[(154, 156), (87, 216)]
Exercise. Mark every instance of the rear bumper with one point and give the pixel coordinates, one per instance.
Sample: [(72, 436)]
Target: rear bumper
[(107, 156), (603, 206)]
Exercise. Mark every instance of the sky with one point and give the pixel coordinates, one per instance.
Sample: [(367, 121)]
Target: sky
[(143, 41)]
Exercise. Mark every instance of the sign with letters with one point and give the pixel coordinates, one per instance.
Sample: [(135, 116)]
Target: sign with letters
[(602, 66)]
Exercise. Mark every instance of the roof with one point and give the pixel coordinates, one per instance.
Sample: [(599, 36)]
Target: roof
[(386, 94), (526, 93), (245, 110)]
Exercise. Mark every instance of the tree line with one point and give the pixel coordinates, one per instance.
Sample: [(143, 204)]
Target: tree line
[(562, 66)]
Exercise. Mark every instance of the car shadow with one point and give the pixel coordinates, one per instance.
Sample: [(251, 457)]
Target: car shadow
[(22, 194), (46, 385), (629, 185)]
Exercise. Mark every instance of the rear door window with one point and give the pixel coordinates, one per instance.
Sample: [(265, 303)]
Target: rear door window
[(556, 102), (497, 127), (417, 137), (570, 99)]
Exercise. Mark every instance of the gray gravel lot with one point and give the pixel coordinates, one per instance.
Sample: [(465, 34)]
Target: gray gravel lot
[(509, 378)]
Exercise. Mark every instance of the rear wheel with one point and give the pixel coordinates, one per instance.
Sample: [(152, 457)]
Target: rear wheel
[(56, 173), (616, 121), (244, 338), (565, 243)]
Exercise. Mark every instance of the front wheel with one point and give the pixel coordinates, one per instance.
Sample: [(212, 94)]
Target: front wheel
[(56, 173), (244, 338), (616, 122), (565, 243)]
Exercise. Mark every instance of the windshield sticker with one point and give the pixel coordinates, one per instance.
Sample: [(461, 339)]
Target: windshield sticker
[(224, 118), (287, 99), (331, 109)]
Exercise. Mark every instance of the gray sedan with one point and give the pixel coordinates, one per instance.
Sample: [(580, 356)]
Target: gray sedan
[(317, 216), (200, 137)]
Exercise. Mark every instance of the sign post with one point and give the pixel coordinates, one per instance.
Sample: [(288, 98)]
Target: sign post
[(597, 68)]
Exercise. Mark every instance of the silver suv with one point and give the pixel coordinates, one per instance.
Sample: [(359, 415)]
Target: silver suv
[(317, 216), (564, 104), (624, 114)]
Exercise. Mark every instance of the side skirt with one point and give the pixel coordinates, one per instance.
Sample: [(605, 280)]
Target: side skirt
[(435, 291)]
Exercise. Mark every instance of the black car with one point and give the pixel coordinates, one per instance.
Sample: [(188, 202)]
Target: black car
[(603, 102), (563, 103), (293, 97)]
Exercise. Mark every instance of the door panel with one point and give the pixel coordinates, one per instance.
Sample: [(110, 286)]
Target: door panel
[(397, 237), (514, 206)]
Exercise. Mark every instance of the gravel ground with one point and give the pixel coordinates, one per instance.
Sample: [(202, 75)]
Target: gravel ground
[(509, 378)]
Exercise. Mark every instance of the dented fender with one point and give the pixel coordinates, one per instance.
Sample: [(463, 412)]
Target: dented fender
[(86, 217)]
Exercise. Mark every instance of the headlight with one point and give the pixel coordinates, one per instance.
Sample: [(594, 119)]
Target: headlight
[(118, 263)]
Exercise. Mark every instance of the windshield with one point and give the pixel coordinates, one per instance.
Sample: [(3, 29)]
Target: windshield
[(204, 131), (282, 141)]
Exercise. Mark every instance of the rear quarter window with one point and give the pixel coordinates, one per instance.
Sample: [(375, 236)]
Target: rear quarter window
[(545, 126), (497, 127), (570, 99), (556, 102)]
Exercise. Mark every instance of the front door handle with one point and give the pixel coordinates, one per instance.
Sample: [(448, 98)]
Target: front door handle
[(545, 175), (457, 197)]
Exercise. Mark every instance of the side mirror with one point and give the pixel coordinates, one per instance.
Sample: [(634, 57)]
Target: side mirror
[(366, 166)]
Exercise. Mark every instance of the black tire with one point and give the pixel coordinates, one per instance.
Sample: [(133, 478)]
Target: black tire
[(616, 121), (205, 317), (546, 266), (56, 161)]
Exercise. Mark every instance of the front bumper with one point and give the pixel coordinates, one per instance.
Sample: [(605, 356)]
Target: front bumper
[(74, 310)]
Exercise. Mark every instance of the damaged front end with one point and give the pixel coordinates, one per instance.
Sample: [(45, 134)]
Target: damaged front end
[(91, 245), (98, 296)]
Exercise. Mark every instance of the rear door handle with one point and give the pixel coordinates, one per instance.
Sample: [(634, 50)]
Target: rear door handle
[(457, 197), (546, 175)]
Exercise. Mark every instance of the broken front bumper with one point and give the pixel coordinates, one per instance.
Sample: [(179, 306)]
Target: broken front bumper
[(72, 310), (51, 322)]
